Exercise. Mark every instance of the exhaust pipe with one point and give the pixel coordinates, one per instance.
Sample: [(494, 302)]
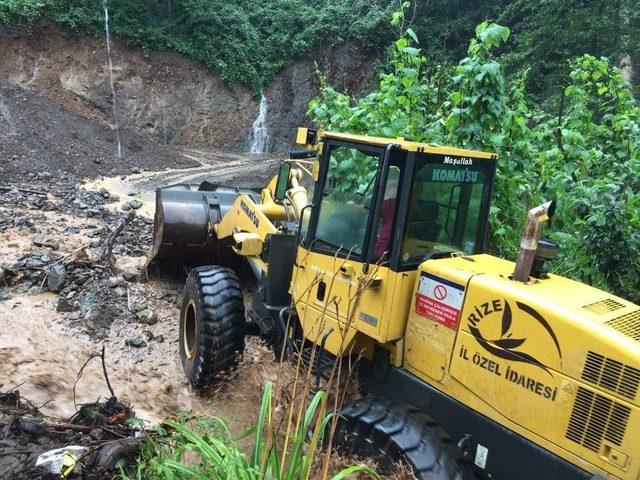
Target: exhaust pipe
[(530, 237)]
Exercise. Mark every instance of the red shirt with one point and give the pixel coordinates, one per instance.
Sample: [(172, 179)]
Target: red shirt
[(384, 235)]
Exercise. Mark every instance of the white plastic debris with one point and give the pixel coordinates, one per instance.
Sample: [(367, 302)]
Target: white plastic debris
[(55, 460)]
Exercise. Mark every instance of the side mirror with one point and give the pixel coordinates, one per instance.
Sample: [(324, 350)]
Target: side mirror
[(303, 225), (283, 181)]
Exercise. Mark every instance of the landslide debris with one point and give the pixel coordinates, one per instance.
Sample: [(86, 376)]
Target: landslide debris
[(98, 435), (38, 134), (67, 257)]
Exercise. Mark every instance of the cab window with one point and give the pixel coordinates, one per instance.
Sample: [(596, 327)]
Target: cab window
[(346, 200), (447, 209)]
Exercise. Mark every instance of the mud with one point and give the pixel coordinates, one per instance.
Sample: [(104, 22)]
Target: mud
[(38, 134), (227, 168), (43, 348)]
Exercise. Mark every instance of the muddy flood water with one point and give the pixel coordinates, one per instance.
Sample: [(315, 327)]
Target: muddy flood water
[(50, 330)]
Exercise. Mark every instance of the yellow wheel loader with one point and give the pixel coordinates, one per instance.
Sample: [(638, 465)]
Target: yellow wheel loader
[(473, 366)]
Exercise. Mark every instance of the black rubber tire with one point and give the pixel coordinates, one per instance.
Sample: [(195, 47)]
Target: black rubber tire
[(212, 318), (389, 431)]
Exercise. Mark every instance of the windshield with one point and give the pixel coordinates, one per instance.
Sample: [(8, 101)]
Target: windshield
[(448, 207), (346, 199)]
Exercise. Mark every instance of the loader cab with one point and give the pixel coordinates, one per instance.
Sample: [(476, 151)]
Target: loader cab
[(379, 210), (391, 206)]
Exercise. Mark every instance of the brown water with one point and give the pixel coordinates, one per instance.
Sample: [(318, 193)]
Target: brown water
[(42, 353), (217, 167)]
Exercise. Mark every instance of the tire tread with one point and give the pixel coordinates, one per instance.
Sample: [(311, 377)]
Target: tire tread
[(395, 431), (217, 295)]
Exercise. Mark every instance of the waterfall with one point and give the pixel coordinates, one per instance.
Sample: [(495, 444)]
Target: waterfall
[(6, 117), (111, 82), (259, 133)]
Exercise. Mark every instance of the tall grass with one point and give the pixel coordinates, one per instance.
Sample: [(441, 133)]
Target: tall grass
[(204, 448)]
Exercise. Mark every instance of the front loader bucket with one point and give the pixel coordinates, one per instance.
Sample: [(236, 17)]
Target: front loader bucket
[(184, 219)]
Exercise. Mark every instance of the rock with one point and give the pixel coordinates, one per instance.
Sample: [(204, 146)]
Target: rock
[(87, 303), (159, 338), (35, 290), (129, 274), (148, 316), (33, 263), (45, 241), (120, 291), (135, 342), (64, 305), (5, 294), (35, 276), (148, 335), (32, 427), (56, 275), (116, 282), (135, 203)]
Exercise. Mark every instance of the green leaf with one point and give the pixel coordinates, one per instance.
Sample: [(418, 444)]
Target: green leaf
[(412, 34), (411, 51), (356, 469), (401, 44)]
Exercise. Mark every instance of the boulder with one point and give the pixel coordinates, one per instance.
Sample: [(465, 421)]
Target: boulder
[(56, 276)]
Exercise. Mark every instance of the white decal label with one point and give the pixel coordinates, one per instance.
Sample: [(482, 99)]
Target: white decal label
[(481, 456), (439, 299)]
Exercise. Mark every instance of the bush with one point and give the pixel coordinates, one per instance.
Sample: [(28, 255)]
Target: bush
[(250, 40), (584, 156)]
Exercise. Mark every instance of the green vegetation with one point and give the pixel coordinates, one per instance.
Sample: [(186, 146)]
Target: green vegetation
[(242, 40), (250, 40), (203, 448), (585, 153)]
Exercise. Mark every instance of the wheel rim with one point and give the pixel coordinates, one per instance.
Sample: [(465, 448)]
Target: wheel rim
[(189, 329)]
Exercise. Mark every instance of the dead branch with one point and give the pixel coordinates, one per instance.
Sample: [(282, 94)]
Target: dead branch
[(104, 371), (52, 425), (115, 450), (80, 376), (7, 188), (105, 254)]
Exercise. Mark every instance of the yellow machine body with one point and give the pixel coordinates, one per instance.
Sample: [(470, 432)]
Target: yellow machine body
[(553, 360)]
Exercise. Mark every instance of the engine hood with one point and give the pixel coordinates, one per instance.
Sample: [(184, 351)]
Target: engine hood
[(555, 324)]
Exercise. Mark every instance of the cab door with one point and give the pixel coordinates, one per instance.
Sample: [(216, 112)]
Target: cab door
[(341, 281)]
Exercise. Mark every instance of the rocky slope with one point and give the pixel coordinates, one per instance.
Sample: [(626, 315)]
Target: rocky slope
[(172, 98), (38, 134)]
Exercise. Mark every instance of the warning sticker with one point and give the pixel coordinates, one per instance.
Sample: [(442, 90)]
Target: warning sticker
[(439, 299)]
